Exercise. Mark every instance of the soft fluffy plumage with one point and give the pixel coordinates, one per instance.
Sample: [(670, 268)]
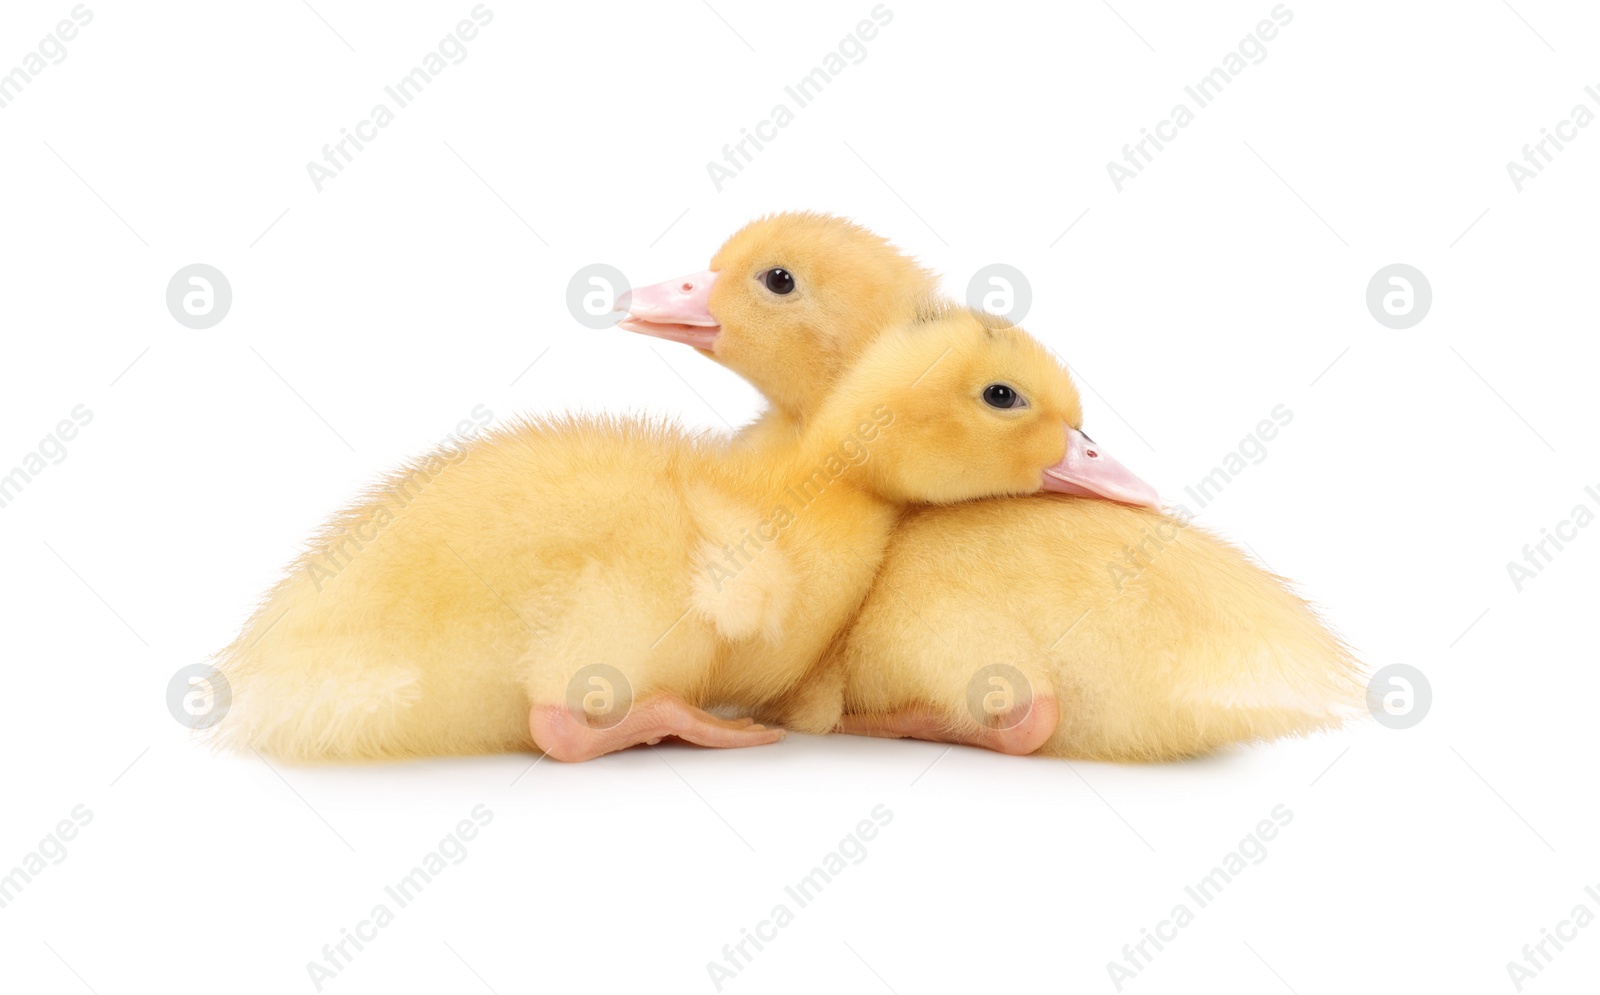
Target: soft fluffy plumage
[(1167, 653), (429, 617), (1198, 649)]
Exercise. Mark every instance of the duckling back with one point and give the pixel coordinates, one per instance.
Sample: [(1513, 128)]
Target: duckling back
[(1159, 640), (398, 630)]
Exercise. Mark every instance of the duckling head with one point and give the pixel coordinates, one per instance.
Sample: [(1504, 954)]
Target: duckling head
[(788, 304), (970, 406)]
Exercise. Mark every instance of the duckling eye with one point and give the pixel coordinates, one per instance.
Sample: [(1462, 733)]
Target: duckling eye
[(999, 395), (778, 280)]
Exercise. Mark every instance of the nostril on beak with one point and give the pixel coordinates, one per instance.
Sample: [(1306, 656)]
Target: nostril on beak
[(1092, 454), (687, 287)]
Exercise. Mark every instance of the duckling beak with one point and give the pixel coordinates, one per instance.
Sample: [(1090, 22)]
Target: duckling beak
[(1087, 471), (677, 310)]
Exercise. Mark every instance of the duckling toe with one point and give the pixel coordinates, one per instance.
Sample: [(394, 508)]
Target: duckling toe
[(1020, 731), (564, 736)]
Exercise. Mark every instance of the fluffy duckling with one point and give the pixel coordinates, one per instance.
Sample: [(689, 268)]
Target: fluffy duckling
[(584, 585), (1151, 639), (1148, 638)]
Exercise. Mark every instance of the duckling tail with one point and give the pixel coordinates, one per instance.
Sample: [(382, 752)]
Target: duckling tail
[(290, 706)]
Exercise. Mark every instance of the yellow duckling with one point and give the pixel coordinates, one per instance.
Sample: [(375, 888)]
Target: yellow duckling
[(584, 585), (1076, 628)]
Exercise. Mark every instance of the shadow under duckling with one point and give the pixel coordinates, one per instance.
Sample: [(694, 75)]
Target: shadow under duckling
[(584, 585), (1018, 625)]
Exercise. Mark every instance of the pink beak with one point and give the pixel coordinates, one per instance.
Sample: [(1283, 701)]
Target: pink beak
[(677, 310), (1087, 471)]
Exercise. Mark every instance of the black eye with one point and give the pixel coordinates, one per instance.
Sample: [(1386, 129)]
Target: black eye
[(998, 395), (778, 280)]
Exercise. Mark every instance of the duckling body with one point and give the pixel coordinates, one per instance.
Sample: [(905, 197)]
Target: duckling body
[(1155, 639), (426, 642), (460, 619), (1177, 651)]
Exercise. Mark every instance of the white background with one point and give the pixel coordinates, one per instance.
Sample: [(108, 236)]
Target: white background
[(367, 320)]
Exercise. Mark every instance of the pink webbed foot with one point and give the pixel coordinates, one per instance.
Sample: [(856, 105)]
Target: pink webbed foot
[(1012, 734), (565, 736)]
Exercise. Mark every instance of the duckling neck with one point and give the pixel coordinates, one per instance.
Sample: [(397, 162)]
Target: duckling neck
[(822, 489), (774, 431)]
